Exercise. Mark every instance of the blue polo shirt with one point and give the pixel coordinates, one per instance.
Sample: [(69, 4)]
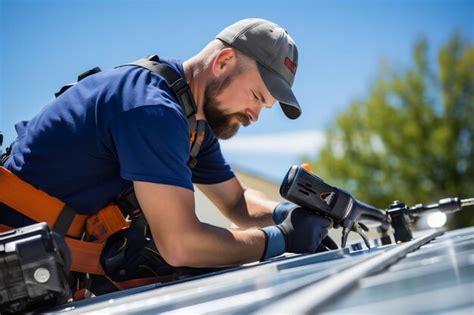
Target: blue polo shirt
[(110, 129)]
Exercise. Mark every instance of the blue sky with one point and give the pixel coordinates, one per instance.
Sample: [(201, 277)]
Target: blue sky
[(45, 44)]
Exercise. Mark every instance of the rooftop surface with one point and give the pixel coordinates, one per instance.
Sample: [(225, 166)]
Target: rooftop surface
[(433, 273)]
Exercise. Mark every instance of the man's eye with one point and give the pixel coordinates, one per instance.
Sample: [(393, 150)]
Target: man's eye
[(255, 96)]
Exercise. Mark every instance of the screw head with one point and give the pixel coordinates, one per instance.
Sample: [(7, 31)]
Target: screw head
[(41, 275)]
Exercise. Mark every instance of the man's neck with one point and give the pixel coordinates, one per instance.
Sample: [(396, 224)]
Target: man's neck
[(195, 74)]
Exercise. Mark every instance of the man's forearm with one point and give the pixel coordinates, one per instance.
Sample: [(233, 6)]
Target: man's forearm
[(210, 246), (183, 240), (253, 209)]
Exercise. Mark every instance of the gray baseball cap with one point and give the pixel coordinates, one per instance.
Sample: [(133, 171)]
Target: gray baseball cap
[(276, 55)]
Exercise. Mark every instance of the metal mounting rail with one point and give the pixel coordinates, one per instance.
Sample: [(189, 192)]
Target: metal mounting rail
[(315, 297)]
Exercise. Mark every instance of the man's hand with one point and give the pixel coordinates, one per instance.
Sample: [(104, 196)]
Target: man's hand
[(300, 232), (281, 212), (304, 230)]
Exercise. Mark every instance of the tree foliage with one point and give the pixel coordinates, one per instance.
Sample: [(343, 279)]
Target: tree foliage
[(413, 137)]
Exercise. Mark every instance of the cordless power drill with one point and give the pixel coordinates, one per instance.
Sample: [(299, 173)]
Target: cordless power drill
[(305, 189), (311, 192)]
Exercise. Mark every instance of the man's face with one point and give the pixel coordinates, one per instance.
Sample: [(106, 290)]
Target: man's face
[(235, 99)]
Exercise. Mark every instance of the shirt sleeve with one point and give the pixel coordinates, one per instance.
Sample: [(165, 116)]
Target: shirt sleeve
[(211, 167), (152, 145)]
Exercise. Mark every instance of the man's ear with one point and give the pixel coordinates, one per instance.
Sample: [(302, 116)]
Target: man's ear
[(224, 62)]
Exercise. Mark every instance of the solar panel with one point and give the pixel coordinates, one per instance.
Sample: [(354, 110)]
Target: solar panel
[(413, 277)]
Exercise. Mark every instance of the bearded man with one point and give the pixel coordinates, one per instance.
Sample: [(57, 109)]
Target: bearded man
[(127, 127)]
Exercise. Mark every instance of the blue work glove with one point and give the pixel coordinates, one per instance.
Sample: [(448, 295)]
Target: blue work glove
[(281, 212), (300, 232)]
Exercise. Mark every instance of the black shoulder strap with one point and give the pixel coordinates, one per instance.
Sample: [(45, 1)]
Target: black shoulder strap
[(180, 88), (81, 76), (177, 84), (183, 93)]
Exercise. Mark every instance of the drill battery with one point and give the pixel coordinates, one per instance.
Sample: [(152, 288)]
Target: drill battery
[(34, 265)]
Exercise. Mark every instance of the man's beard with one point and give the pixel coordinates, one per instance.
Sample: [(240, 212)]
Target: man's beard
[(223, 126)]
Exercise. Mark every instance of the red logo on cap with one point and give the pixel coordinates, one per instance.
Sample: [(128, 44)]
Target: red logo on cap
[(290, 65)]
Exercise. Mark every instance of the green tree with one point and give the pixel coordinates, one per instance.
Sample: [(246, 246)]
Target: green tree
[(413, 137)]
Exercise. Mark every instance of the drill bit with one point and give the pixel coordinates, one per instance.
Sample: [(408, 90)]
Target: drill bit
[(345, 234)]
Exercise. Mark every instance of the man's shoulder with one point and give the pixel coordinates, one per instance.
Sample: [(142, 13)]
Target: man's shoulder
[(132, 87)]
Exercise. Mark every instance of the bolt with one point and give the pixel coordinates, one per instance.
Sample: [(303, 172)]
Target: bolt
[(41, 275)]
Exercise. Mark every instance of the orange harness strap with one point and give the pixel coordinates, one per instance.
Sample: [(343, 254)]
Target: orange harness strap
[(105, 222), (35, 203), (4, 228), (41, 207), (85, 255)]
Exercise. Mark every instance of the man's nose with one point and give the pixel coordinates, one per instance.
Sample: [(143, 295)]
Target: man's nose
[(254, 113), (255, 110)]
